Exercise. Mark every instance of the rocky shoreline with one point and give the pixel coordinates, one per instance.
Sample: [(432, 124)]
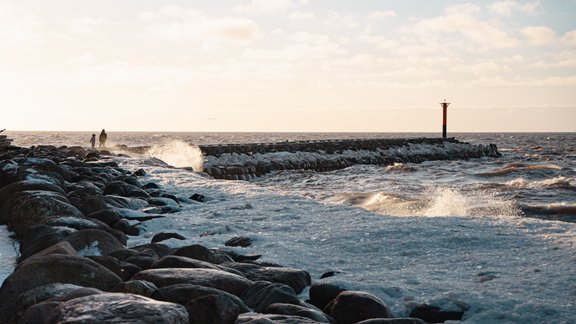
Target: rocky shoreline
[(72, 210)]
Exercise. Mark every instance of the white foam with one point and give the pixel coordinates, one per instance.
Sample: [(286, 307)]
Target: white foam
[(178, 154)]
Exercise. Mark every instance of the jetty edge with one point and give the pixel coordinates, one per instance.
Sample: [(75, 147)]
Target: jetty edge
[(251, 160), (72, 210)]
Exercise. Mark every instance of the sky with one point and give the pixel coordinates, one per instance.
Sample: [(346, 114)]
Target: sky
[(288, 65)]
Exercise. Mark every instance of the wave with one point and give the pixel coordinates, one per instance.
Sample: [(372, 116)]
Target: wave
[(559, 182), (560, 211), (400, 167), (434, 202), (178, 154), (518, 167)]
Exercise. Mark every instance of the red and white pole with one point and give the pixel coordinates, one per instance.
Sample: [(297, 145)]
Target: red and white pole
[(445, 116)]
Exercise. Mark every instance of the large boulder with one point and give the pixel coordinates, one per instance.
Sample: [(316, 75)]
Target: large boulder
[(174, 261), (296, 310), (195, 251), (297, 279), (225, 281), (41, 237), (183, 293), (354, 306), (26, 185), (54, 268), (214, 309), (322, 293), (122, 269), (25, 209), (263, 294), (94, 242), (253, 318), (118, 308)]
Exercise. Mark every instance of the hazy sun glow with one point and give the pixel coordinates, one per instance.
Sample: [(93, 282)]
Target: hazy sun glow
[(287, 65)]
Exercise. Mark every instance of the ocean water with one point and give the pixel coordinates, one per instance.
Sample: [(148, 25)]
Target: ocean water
[(493, 237)]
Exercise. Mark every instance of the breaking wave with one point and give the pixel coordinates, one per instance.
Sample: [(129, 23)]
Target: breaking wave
[(179, 154)]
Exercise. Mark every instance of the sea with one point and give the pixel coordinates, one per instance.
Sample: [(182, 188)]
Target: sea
[(493, 237)]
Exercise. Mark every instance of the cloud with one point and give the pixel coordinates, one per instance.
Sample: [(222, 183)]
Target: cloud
[(299, 15), (508, 7), (269, 7), (175, 23), (539, 35), (18, 25), (463, 21), (382, 14), (569, 38), (88, 25)]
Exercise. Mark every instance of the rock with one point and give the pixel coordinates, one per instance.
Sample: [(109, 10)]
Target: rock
[(94, 242), (263, 294), (28, 208), (297, 279), (118, 308), (139, 173), (119, 188), (321, 293), (252, 318), (107, 216), (38, 313), (393, 321), (433, 314), (328, 274), (54, 268), (151, 185), (122, 269), (214, 309), (42, 293), (239, 241), (354, 306), (296, 310), (26, 185), (62, 247), (144, 259), (195, 251), (160, 249), (174, 261), (183, 293), (166, 236), (137, 287), (41, 237), (123, 254), (225, 281), (198, 197)]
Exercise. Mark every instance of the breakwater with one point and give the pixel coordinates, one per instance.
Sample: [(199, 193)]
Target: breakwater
[(246, 161), (72, 211)]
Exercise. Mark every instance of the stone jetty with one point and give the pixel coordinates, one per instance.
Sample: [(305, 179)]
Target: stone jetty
[(4, 140), (72, 209), (246, 161)]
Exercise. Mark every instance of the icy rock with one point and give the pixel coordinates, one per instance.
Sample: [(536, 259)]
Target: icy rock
[(354, 306)]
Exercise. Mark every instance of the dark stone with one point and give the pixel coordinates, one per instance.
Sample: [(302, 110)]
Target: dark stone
[(239, 241), (62, 247), (25, 209), (27, 185), (433, 314), (144, 259), (137, 287), (297, 279), (160, 249), (41, 237), (183, 293), (195, 251), (321, 293), (166, 236), (122, 254), (118, 308), (198, 197), (125, 227), (252, 318), (122, 269), (296, 310), (354, 306), (150, 185), (214, 309), (139, 173), (328, 274), (42, 293), (54, 268), (225, 281), (38, 313), (175, 261), (263, 294), (393, 321), (94, 242)]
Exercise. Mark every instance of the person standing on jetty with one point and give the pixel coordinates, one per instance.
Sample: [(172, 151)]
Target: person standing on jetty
[(103, 137), (93, 140)]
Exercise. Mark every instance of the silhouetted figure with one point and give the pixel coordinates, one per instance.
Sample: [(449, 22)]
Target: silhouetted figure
[(93, 140), (103, 137)]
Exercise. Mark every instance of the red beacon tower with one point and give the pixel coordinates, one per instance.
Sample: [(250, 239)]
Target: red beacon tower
[(445, 116)]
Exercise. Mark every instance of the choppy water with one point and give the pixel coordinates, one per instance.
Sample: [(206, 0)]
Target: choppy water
[(536, 177)]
